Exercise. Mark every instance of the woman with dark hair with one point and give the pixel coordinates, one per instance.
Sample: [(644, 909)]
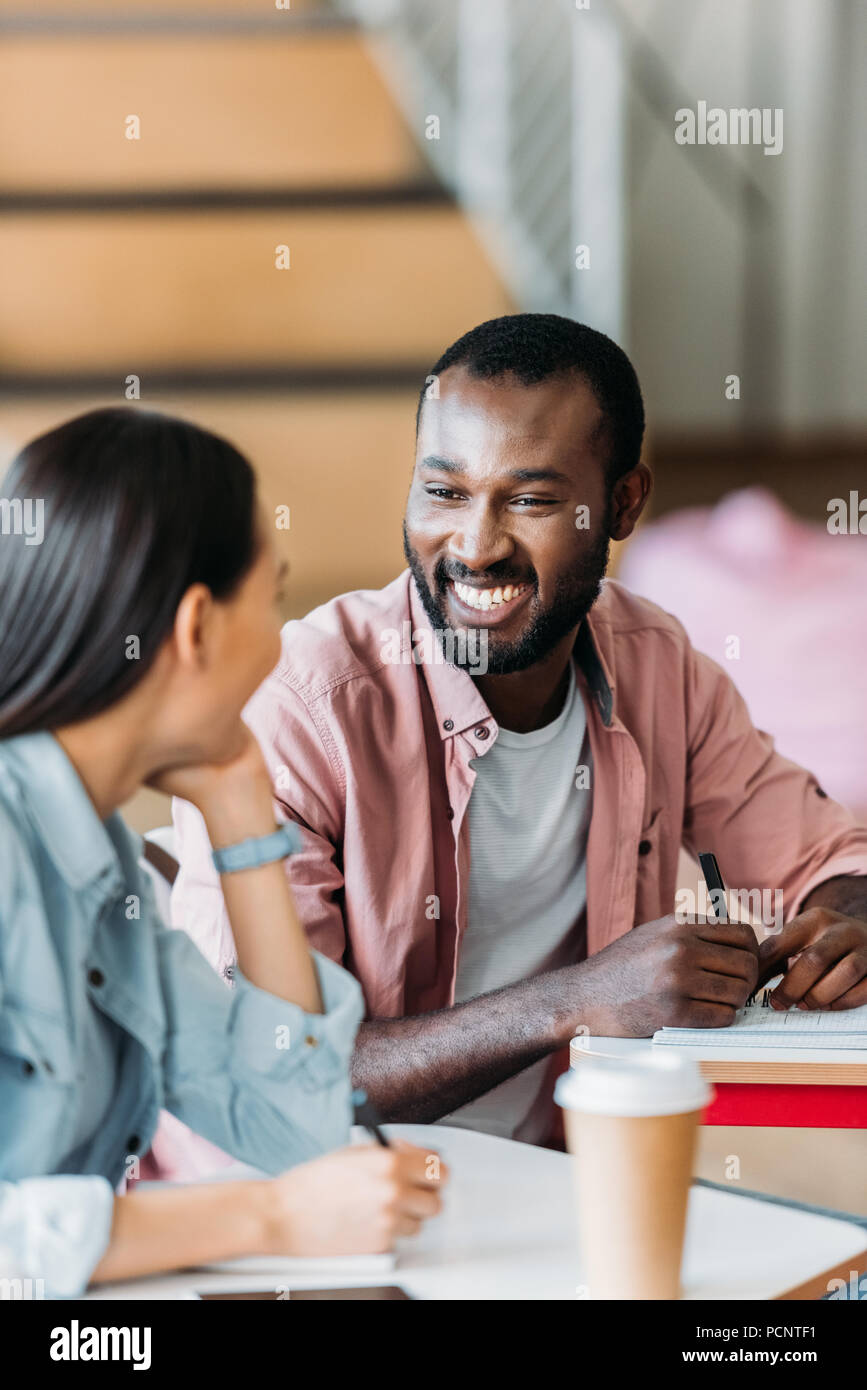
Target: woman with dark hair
[(136, 621)]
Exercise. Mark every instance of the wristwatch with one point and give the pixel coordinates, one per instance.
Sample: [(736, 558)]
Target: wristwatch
[(262, 849)]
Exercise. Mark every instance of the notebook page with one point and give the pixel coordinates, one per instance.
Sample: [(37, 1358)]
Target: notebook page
[(759, 1026)]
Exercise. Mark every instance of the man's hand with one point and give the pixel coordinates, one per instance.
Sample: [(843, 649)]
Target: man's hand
[(671, 973), (824, 954), (685, 974)]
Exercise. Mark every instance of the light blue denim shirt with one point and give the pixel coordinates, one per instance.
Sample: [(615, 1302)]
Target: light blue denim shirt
[(90, 977)]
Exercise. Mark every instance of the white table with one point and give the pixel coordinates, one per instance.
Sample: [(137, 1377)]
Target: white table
[(508, 1232)]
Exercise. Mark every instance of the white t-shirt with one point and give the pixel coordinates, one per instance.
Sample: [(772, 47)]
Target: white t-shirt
[(527, 894)]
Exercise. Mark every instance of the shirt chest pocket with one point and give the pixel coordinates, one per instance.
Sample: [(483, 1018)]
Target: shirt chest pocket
[(37, 1089), (655, 876)]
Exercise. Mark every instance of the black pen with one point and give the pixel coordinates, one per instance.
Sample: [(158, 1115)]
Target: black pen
[(717, 893), (366, 1115), (715, 886)]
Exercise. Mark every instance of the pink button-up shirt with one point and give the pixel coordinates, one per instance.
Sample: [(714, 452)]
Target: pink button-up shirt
[(371, 757)]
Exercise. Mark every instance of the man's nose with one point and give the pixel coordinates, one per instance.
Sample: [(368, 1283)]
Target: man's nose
[(481, 542)]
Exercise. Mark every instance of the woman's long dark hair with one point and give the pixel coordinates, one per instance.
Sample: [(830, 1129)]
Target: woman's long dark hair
[(137, 507)]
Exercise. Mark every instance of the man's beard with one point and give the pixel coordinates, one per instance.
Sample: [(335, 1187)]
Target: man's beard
[(574, 596)]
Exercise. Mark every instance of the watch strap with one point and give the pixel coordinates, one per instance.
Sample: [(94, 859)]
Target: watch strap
[(261, 849)]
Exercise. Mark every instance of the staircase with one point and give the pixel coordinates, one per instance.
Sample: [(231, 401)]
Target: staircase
[(156, 257)]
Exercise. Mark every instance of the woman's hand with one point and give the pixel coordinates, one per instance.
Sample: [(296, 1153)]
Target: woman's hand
[(234, 796), (354, 1201)]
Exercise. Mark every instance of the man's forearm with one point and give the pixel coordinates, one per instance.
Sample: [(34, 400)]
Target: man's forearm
[(418, 1069), (848, 895)]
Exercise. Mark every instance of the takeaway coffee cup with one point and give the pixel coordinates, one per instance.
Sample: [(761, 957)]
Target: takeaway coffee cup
[(631, 1126)]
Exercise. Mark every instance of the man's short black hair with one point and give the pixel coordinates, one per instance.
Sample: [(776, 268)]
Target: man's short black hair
[(534, 347)]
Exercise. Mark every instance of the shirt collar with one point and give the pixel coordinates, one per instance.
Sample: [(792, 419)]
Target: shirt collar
[(83, 848), (600, 681), (456, 699)]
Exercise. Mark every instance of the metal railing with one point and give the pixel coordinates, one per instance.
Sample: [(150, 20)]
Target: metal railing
[(519, 106)]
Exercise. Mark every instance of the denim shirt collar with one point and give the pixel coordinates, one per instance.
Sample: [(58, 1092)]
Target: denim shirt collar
[(85, 850)]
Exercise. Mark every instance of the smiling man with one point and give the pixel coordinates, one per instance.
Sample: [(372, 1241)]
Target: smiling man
[(493, 849)]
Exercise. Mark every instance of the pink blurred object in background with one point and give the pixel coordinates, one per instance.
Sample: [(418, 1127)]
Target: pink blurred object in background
[(795, 597)]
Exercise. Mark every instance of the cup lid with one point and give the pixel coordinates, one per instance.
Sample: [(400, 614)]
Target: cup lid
[(653, 1082)]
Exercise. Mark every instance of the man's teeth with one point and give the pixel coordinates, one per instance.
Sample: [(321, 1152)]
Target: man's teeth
[(487, 598)]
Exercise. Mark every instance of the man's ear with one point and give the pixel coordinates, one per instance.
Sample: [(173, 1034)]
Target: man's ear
[(193, 627), (628, 501)]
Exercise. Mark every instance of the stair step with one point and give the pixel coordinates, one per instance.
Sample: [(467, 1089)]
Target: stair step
[(341, 462), (76, 16), (95, 292), (426, 192), (243, 112), (263, 378)]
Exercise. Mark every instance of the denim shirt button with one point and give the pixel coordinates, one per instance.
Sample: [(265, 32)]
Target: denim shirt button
[(96, 978), (28, 1068)]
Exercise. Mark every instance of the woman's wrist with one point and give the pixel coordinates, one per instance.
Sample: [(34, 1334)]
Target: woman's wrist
[(272, 1215), (261, 1234), (236, 816), (241, 1222)]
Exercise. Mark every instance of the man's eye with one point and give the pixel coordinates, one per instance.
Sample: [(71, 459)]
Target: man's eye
[(527, 502), (445, 493)]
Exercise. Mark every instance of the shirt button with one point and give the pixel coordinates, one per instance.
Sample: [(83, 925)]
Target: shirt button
[(450, 813), (311, 1041), (96, 977), (448, 725), (644, 847), (132, 1143), (481, 732), (28, 1068)]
